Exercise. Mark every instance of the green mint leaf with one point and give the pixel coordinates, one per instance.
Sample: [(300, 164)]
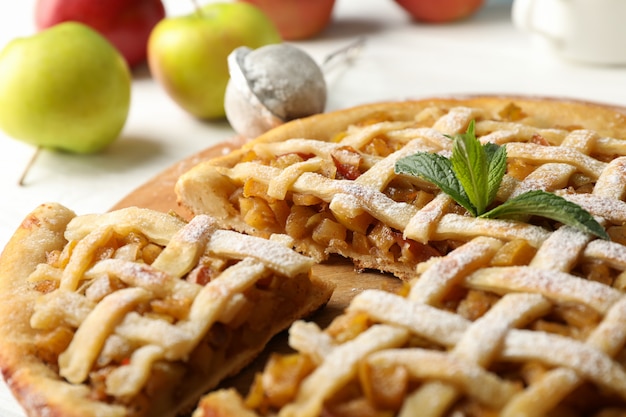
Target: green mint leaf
[(438, 170), (472, 177), (469, 162), (496, 160), (551, 206)]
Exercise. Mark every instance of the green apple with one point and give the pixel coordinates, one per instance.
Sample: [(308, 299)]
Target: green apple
[(64, 88), (188, 54)]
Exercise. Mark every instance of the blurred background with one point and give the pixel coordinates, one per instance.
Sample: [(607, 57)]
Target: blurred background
[(401, 58)]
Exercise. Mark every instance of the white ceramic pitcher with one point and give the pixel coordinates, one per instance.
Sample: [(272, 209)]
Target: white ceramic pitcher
[(590, 31)]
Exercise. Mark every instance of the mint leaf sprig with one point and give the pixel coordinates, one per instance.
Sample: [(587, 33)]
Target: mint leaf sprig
[(472, 177)]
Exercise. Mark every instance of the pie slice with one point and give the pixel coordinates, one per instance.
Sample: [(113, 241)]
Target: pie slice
[(138, 313), (493, 328), (329, 181)]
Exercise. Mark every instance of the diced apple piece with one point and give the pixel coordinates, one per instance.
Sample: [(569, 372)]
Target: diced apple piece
[(297, 220), (258, 214), (328, 230), (515, 252)]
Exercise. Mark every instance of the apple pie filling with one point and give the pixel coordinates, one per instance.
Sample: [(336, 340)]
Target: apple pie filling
[(492, 328), (142, 310), (340, 194), (308, 219)]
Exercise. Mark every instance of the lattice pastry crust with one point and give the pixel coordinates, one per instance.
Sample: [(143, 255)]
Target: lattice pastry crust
[(508, 318), (138, 313), (328, 181), (468, 336)]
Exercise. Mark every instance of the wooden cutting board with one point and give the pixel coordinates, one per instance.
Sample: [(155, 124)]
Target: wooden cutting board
[(158, 194)]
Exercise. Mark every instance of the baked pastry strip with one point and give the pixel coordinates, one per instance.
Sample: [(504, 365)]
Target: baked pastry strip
[(512, 340), (138, 313), (329, 180)]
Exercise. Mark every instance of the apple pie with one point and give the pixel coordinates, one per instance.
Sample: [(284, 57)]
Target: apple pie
[(493, 328), (138, 313), (521, 316), (330, 181)]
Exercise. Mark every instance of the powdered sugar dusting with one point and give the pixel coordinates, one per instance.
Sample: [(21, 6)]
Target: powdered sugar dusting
[(612, 182), (561, 351), (561, 250), (538, 153), (547, 177), (437, 280), (557, 286), (484, 337), (456, 120), (454, 226), (442, 327), (610, 252), (197, 230), (274, 254), (606, 207), (424, 222), (551, 159), (392, 213)]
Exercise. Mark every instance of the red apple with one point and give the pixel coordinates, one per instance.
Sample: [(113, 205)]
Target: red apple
[(125, 23), (297, 19), (440, 11)]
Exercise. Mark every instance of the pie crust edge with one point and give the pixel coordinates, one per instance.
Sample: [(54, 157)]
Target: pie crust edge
[(36, 387)]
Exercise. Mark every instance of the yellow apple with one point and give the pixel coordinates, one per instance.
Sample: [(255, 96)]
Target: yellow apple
[(188, 54), (64, 88)]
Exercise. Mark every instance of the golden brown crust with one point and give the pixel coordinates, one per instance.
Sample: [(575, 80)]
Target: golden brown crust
[(513, 302), (35, 381), (36, 387), (206, 189), (546, 112)]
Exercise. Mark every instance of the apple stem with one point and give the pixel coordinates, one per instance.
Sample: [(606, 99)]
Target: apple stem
[(197, 6), (30, 163)]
